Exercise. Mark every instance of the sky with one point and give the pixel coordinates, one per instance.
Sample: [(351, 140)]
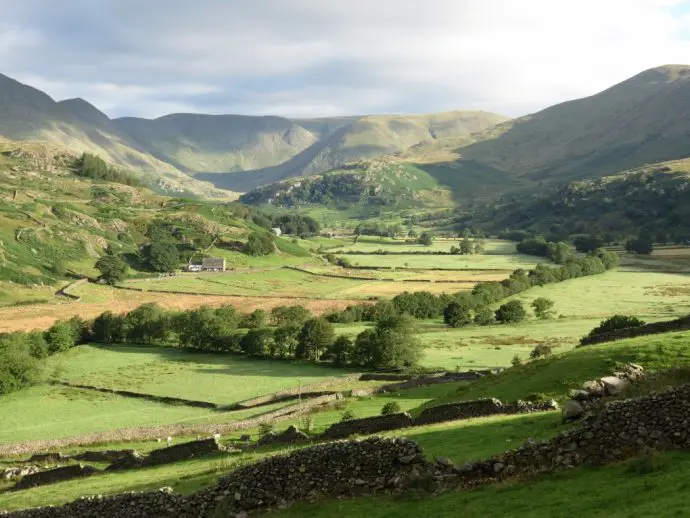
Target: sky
[(319, 58)]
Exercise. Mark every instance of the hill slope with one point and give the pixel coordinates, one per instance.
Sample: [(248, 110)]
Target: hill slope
[(640, 121), (345, 140)]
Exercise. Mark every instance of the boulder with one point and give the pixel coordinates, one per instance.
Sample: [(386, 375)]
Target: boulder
[(594, 387), (580, 395), (613, 385), (572, 410)]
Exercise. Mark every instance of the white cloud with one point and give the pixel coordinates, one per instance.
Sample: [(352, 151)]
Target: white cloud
[(322, 57)]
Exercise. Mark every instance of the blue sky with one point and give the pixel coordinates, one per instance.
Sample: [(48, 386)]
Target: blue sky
[(329, 57)]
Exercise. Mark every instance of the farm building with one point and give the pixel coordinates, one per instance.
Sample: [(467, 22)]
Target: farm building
[(193, 268), (277, 231), (213, 264)]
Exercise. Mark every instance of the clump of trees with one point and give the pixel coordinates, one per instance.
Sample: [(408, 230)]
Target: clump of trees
[(260, 243), (92, 166), (643, 245), (112, 268), (558, 252), (512, 312)]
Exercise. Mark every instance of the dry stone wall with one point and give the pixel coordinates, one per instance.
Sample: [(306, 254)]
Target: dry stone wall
[(368, 425), (332, 469), (43, 478), (479, 408), (176, 453)]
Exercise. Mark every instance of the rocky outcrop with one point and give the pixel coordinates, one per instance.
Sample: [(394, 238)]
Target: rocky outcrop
[(367, 425), (13, 473), (43, 478)]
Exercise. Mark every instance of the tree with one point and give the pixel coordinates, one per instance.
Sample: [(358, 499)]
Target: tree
[(18, 368), (112, 268), (258, 342), (341, 351), (643, 245), (393, 343), (108, 328), (426, 239), (255, 320), (457, 315), (290, 315), (542, 307), (511, 312), (484, 317), (286, 340), (479, 246), (147, 324), (60, 337), (259, 243), (162, 256), (316, 337), (466, 246), (588, 243), (412, 234)]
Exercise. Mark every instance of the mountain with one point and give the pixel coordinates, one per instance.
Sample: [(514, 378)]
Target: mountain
[(27, 113), (640, 121), (345, 140), (197, 143)]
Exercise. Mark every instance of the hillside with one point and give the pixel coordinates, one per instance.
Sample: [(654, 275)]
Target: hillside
[(363, 137), (642, 120), (652, 199)]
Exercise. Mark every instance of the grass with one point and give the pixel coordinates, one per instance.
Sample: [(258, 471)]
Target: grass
[(217, 378), (467, 262), (556, 375), (365, 244), (614, 491)]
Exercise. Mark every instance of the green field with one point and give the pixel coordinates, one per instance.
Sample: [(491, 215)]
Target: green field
[(217, 378), (507, 263), (398, 246)]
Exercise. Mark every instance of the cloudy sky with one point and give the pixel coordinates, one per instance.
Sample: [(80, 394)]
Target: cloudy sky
[(334, 57)]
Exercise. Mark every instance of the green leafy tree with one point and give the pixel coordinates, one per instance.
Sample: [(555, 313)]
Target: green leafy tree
[(316, 337), (540, 351), (479, 246), (258, 342), (643, 245), (542, 307), (147, 324), (256, 319), (18, 368), (484, 317), (426, 239), (112, 269), (286, 340), (588, 243), (109, 328), (260, 243), (457, 315), (393, 343), (290, 315), (340, 353), (616, 323), (162, 256), (466, 246), (511, 312), (60, 337)]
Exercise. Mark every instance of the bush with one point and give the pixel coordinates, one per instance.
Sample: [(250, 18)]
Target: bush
[(266, 429), (425, 239), (348, 415), (511, 312), (258, 342), (18, 368), (290, 315), (148, 324), (392, 407), (642, 245), (259, 243), (255, 320), (616, 323), (60, 337), (540, 351), (516, 361), (457, 315), (108, 328), (392, 343), (542, 307), (484, 317)]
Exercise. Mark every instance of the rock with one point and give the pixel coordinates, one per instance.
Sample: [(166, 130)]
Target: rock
[(498, 467), (580, 395), (408, 459), (613, 385), (594, 387), (444, 462), (572, 410)]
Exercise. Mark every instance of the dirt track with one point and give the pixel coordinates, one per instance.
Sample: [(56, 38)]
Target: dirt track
[(42, 316)]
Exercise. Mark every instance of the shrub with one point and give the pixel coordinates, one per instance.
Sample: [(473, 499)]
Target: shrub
[(616, 323), (18, 368), (340, 353), (392, 407), (457, 315), (540, 351), (108, 328), (259, 243), (516, 361), (60, 337), (642, 245), (348, 415), (542, 307), (266, 429), (255, 320), (425, 239), (258, 342), (511, 312), (484, 317), (290, 315), (148, 324)]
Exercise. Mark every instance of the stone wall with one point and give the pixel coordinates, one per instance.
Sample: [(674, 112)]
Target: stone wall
[(479, 408), (332, 469), (367, 425), (669, 326), (104, 456), (43, 478), (176, 453)]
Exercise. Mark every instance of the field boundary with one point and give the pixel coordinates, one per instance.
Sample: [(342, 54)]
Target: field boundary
[(383, 279)]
